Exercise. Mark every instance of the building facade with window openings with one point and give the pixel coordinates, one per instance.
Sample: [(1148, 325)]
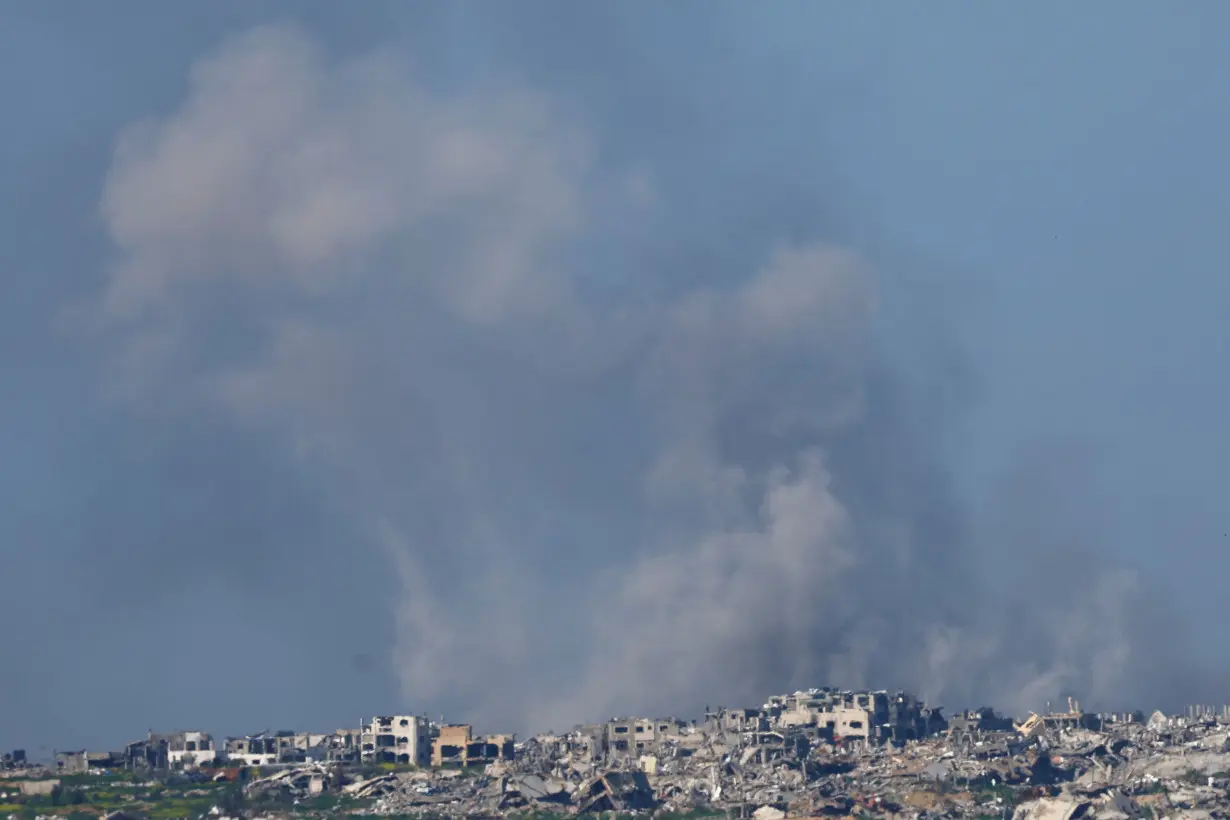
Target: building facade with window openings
[(631, 737), (400, 739), (190, 749), (856, 715)]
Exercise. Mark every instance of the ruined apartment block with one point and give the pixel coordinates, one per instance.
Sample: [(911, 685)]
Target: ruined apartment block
[(403, 739), (633, 737), (973, 725), (252, 750), (623, 738), (188, 750), (456, 745), (262, 749), (784, 728), (341, 746), (13, 760), (844, 715)]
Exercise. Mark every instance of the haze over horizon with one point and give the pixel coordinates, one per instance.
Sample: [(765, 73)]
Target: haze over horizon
[(536, 363)]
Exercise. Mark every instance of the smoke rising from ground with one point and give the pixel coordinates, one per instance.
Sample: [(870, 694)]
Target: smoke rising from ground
[(591, 504)]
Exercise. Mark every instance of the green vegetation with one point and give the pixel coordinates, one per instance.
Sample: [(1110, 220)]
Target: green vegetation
[(331, 804), (1011, 796), (88, 796), (175, 797)]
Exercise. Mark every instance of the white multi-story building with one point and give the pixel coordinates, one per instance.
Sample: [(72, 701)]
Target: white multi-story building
[(402, 739), (190, 749), (257, 750)]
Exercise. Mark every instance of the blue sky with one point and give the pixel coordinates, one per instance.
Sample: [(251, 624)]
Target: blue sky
[(1039, 189)]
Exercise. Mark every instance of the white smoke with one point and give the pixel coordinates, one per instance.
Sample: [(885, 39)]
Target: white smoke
[(589, 507)]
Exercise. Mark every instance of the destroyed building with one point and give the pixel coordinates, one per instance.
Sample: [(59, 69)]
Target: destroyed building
[(315, 747), (812, 754), (341, 746), (403, 739), (82, 761), (736, 721), (846, 715), (456, 745), (263, 749), (632, 737), (621, 738), (1074, 718), (1121, 718), (190, 749), (973, 724), (585, 743), (160, 751), (149, 753), (15, 759)]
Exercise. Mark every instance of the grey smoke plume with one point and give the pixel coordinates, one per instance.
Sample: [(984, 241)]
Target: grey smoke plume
[(590, 503)]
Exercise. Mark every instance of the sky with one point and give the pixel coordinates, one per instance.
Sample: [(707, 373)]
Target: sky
[(528, 364)]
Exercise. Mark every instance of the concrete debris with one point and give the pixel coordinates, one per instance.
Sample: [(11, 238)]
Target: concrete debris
[(752, 767), (1052, 808), (616, 791), (375, 787), (302, 781), (813, 754), (768, 813)]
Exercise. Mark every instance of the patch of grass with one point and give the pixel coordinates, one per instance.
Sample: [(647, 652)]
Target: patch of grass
[(178, 808), (332, 803), (1008, 794), (91, 795), (86, 781)]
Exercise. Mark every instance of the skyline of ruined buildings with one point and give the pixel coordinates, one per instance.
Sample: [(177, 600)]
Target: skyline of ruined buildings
[(784, 724), (397, 739)]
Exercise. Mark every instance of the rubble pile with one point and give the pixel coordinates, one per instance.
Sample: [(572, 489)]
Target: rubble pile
[(1177, 770), (814, 753), (302, 781)]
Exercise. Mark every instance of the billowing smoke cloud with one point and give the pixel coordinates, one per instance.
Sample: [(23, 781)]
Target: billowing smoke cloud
[(591, 504)]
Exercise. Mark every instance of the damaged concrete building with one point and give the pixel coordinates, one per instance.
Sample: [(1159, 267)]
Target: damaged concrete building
[(342, 746), (456, 745), (813, 754), (1074, 718), (625, 738), (973, 724), (633, 737), (847, 715), (149, 753), (403, 739), (263, 749), (190, 749), (82, 761)]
